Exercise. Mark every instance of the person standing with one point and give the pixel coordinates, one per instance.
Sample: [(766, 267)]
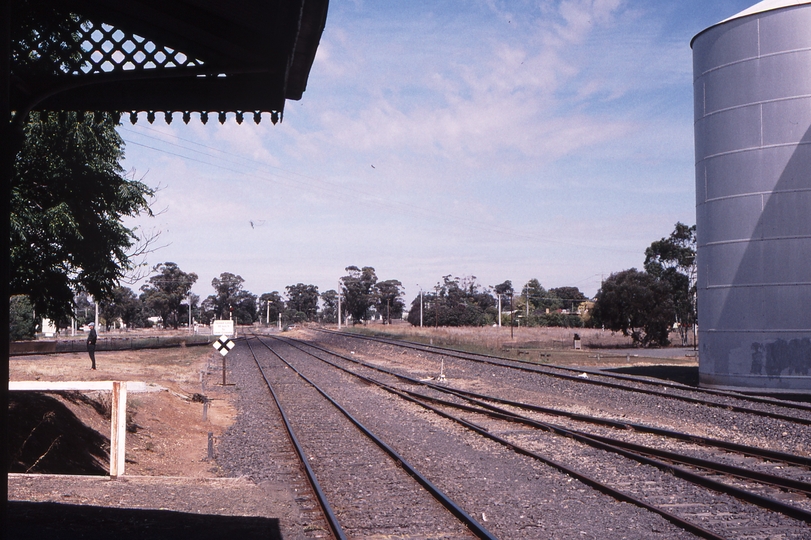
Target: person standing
[(91, 344)]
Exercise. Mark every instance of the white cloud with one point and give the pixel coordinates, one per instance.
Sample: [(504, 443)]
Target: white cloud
[(432, 137)]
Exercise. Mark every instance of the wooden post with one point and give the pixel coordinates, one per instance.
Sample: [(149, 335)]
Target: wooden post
[(118, 429)]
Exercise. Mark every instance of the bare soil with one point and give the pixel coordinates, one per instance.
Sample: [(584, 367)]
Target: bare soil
[(59, 445), (167, 435)]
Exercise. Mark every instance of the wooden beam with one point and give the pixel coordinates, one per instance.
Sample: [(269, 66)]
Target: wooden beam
[(118, 410), (118, 429)]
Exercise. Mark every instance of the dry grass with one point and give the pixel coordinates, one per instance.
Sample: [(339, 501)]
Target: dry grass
[(179, 366), (545, 345), (494, 338)]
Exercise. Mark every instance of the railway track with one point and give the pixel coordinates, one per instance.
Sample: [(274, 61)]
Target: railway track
[(740, 499), (364, 487), (794, 412)]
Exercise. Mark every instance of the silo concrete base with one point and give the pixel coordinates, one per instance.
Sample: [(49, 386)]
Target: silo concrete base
[(762, 362)]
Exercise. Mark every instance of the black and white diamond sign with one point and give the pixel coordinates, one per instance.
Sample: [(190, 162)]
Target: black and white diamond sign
[(223, 345)]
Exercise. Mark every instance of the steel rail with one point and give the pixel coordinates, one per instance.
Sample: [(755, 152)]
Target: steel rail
[(641, 450), (491, 360), (632, 451), (628, 450), (665, 384), (475, 527), (585, 479), (329, 515), (706, 441)]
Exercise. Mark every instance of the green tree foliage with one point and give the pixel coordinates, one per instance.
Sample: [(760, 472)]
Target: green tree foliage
[(124, 305), (568, 298), (166, 291), (302, 298), (226, 288), (673, 261), (504, 289), (359, 292), (329, 309), (555, 300), (230, 298), (68, 197), (45, 27), (457, 302), (276, 306), (389, 297), (22, 324), (84, 310), (536, 295), (636, 304), (245, 309)]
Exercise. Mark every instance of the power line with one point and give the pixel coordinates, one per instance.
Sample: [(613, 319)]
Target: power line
[(346, 192)]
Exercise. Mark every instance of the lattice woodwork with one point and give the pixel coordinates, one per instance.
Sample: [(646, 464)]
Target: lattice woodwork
[(106, 48)]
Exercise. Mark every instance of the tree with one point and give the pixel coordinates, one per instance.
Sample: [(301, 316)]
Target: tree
[(636, 304), (225, 288), (505, 290), (303, 298), (84, 310), (125, 305), (231, 300), (389, 300), (329, 309), (359, 291), (567, 297), (276, 303), (68, 198), (245, 309), (673, 261), (22, 324), (536, 295), (457, 302), (167, 290)]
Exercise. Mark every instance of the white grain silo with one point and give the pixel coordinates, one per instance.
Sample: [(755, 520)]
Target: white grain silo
[(752, 82)]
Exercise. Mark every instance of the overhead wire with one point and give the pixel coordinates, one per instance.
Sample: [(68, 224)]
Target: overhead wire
[(346, 192)]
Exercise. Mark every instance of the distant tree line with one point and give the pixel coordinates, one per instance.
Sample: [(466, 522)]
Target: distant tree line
[(464, 302), (644, 305)]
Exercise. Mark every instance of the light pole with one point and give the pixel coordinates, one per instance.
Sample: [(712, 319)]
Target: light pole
[(512, 314), (436, 309), (418, 285), (499, 309), (268, 315), (340, 285)]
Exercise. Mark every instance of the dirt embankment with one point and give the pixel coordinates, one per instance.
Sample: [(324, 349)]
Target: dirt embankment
[(68, 432)]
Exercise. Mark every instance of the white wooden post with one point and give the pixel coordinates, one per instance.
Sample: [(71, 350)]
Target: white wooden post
[(118, 410), (118, 429)]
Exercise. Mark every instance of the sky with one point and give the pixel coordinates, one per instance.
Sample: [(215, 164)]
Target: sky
[(548, 139)]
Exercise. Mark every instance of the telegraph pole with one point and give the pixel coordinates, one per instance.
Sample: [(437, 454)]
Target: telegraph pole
[(436, 308), (420, 308)]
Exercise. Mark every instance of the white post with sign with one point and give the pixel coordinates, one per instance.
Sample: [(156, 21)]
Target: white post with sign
[(223, 346), (223, 327)]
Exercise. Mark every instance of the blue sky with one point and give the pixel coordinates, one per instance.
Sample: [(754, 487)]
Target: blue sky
[(503, 140)]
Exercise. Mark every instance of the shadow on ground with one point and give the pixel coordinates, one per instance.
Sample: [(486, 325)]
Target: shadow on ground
[(27, 520), (46, 437), (680, 374)]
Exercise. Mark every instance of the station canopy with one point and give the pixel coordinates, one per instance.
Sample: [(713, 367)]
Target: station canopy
[(163, 56)]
